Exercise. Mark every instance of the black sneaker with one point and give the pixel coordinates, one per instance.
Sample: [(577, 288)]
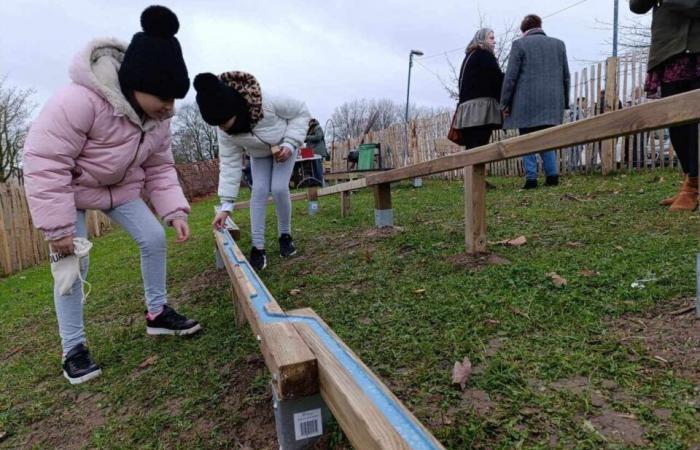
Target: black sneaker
[(257, 259), (169, 322), (78, 366), (530, 184), (287, 246), (552, 181)]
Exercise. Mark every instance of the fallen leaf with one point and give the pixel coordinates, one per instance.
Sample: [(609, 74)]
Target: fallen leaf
[(419, 291), (574, 244), (588, 273), (619, 247), (557, 279), (295, 292), (368, 255), (492, 321), (462, 372), (515, 242), (148, 361)]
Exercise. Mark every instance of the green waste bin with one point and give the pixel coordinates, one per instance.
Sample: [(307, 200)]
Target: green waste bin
[(365, 160)]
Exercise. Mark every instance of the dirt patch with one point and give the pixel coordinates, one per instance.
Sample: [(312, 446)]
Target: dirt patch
[(617, 427), (475, 263), (479, 401), (210, 278), (575, 385), (248, 418), (382, 233), (670, 335), (70, 428)]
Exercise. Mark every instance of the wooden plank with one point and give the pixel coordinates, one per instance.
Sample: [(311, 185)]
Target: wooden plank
[(382, 196), (475, 208), (347, 176), (676, 110), (364, 425), (349, 186), (293, 367)]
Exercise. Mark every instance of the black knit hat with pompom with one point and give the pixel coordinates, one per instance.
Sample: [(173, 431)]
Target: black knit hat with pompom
[(218, 102), (153, 61)]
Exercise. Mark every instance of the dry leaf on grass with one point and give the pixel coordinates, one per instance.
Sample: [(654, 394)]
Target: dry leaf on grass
[(557, 279), (574, 244), (461, 372), (419, 291), (588, 273), (148, 361), (295, 292), (515, 242)]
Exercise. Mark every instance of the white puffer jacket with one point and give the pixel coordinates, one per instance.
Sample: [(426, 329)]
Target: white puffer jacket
[(285, 121)]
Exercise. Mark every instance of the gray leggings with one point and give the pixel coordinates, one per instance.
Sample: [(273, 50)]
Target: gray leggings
[(146, 230), (270, 176)]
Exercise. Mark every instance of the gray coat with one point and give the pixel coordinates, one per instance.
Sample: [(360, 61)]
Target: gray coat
[(536, 85)]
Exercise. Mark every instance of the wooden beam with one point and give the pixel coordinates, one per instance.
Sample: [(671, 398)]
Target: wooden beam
[(475, 208), (346, 176), (675, 110), (344, 204), (363, 423), (382, 196), (293, 367)]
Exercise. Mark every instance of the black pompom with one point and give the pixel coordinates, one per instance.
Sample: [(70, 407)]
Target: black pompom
[(206, 82), (159, 21)]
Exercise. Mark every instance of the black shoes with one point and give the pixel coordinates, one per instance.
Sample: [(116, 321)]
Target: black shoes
[(78, 366), (286, 246), (552, 181), (530, 184), (257, 259), (169, 322)]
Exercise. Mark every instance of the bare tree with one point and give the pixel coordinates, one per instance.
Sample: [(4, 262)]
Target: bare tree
[(354, 118), (504, 41), (635, 34), (15, 109), (193, 138)]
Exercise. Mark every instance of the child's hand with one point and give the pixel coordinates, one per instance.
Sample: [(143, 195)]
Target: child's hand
[(182, 230), (63, 246), (219, 222)]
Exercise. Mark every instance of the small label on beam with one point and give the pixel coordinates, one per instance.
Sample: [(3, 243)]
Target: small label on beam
[(308, 424)]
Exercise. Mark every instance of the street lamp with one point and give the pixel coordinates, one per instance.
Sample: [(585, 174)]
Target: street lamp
[(417, 182), (408, 86), (616, 25)]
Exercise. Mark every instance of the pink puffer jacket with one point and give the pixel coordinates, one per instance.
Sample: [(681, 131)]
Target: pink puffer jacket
[(88, 149)]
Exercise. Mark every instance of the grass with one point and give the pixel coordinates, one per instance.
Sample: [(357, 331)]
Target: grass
[(401, 304)]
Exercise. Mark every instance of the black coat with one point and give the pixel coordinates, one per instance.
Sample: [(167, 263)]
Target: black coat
[(482, 77)]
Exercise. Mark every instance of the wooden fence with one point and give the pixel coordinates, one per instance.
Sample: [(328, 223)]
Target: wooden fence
[(21, 245), (426, 139)]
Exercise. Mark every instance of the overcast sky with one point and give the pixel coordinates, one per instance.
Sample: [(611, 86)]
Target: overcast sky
[(323, 52)]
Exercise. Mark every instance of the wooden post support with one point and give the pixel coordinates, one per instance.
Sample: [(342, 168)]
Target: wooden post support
[(475, 208), (344, 204), (383, 214), (611, 103)]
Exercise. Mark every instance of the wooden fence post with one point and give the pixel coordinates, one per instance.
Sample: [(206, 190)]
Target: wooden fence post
[(608, 148), (383, 213), (475, 208), (344, 204)]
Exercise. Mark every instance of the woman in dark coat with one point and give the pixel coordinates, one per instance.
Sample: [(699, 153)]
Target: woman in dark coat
[(674, 67), (480, 80)]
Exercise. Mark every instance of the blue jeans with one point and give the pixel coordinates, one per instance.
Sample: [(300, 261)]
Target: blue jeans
[(146, 230), (549, 159)]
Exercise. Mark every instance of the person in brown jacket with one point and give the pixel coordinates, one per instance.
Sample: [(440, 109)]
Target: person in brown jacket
[(674, 67)]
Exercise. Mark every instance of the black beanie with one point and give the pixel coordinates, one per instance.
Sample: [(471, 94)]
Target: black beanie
[(217, 101), (153, 61)]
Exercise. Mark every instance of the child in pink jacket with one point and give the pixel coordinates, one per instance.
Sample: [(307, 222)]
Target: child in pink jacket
[(99, 143)]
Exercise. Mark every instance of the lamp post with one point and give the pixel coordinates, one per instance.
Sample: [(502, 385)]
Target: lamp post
[(417, 182), (616, 21), (408, 86)]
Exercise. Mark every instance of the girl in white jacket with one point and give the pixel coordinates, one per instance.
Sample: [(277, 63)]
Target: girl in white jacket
[(270, 130)]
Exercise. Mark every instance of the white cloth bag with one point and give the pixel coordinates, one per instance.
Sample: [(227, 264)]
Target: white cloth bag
[(66, 268)]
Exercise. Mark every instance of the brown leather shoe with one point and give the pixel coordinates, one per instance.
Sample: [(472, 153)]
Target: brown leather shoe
[(669, 201), (688, 197)]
